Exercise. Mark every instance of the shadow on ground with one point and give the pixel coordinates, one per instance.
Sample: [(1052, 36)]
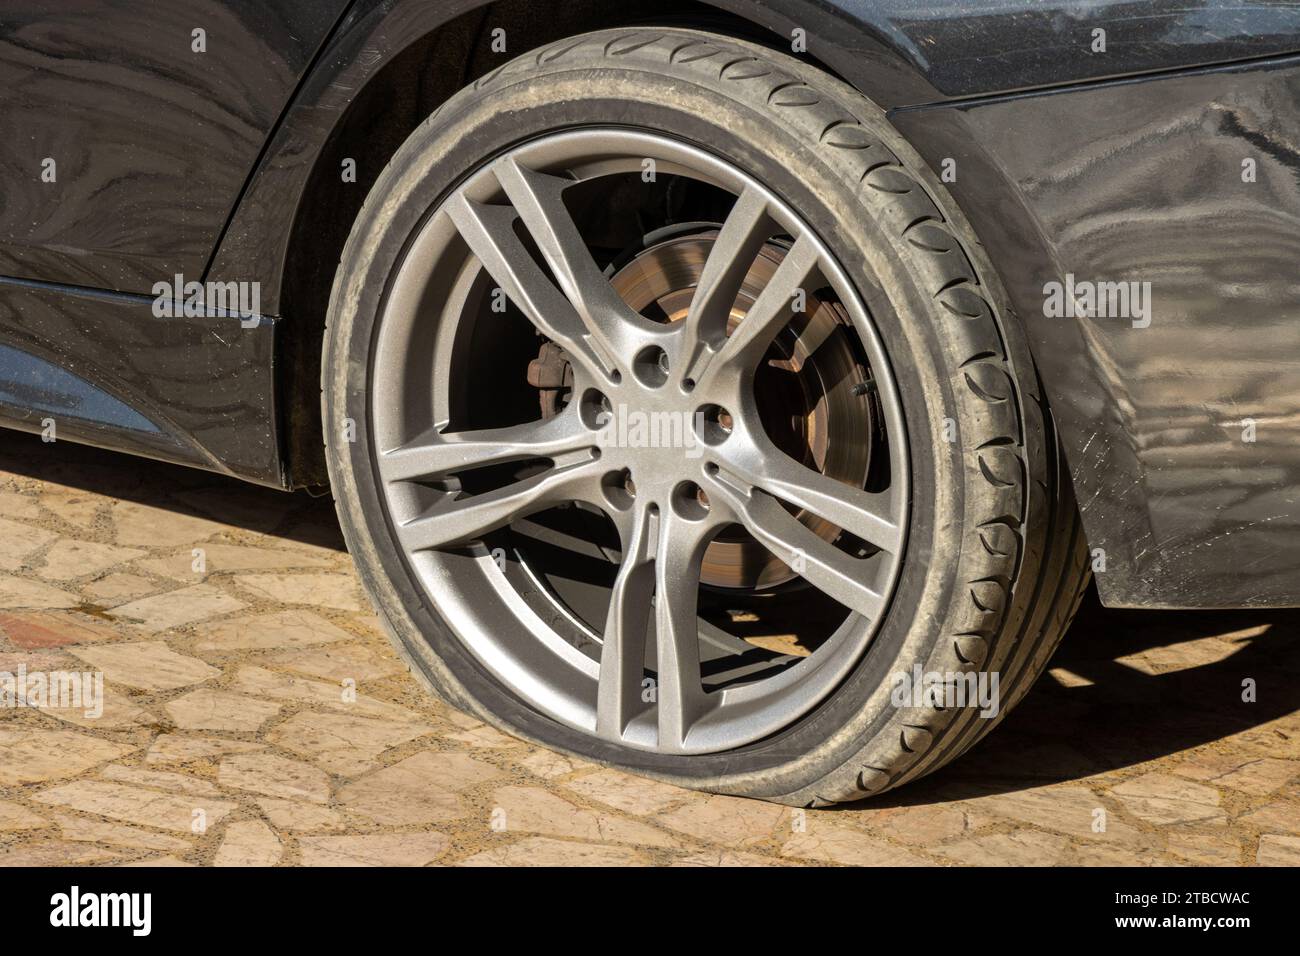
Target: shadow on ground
[(1127, 687), (296, 516)]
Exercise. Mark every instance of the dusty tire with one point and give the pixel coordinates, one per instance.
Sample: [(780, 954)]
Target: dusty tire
[(994, 565)]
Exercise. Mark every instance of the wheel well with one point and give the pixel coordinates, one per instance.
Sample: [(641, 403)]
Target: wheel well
[(397, 98)]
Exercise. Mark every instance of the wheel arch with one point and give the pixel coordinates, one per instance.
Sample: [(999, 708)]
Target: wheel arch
[(386, 69)]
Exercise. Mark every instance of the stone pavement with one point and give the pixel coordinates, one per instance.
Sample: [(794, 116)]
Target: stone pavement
[(254, 714)]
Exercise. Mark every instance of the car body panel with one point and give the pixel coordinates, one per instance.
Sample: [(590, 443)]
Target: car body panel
[(105, 371), (1183, 437), (968, 48), (152, 141)]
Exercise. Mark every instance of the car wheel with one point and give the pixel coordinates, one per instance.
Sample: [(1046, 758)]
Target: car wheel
[(676, 421)]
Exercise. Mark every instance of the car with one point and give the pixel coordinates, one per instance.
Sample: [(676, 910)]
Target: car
[(741, 394)]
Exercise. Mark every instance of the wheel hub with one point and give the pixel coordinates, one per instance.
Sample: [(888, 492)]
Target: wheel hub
[(810, 386), (807, 386)]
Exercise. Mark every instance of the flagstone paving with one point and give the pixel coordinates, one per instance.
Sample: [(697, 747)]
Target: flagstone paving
[(255, 715)]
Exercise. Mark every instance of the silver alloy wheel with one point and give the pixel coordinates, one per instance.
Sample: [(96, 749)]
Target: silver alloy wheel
[(639, 677)]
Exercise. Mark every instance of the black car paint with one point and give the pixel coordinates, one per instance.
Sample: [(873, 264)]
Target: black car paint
[(99, 366), (153, 140), (1144, 182), (1116, 165), (153, 144)]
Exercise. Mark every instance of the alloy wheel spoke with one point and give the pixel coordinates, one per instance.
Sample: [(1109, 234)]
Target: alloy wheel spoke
[(538, 198), (622, 655), (680, 689), (771, 312), (655, 597), (867, 515), (827, 568), (436, 454), (489, 232), (457, 520), (731, 256)]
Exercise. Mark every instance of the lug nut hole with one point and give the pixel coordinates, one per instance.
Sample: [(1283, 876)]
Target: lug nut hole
[(594, 409), (651, 366), (690, 501), (619, 488), (714, 424)]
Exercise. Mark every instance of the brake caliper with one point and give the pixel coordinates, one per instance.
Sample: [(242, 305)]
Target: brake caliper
[(552, 375)]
